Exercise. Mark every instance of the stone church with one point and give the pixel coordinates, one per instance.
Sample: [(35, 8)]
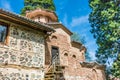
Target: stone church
[(38, 47)]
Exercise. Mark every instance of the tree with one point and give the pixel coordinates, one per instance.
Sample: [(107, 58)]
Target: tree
[(116, 66), (105, 23), (76, 37), (34, 4)]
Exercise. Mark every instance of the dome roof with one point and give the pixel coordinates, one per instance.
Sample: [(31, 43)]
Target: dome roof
[(42, 12)]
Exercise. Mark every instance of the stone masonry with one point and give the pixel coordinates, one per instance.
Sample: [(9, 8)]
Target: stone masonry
[(22, 53), (25, 49), (32, 43), (71, 54)]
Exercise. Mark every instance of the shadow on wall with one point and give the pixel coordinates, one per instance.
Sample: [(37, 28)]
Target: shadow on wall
[(61, 77), (47, 53)]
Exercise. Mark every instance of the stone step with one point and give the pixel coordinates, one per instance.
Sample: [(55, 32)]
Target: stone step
[(57, 72), (57, 69), (48, 79), (49, 76), (59, 66), (49, 73)]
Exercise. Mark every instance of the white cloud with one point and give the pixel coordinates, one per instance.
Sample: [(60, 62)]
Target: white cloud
[(6, 5), (91, 43), (65, 21), (79, 21), (92, 55)]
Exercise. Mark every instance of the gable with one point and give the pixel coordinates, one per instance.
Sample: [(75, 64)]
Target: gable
[(57, 25)]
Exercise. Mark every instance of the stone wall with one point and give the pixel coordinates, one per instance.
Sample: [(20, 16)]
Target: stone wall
[(23, 57), (22, 74)]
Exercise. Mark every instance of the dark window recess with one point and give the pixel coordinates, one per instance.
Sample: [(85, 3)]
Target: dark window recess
[(54, 37), (55, 53), (3, 33), (65, 54), (74, 56)]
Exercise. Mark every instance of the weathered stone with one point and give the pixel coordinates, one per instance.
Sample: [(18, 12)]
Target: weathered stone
[(24, 55), (20, 52), (1, 59), (5, 55)]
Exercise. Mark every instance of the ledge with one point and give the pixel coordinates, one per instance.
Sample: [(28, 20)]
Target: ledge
[(19, 67), (93, 65), (16, 18)]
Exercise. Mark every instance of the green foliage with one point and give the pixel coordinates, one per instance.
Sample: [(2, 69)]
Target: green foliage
[(76, 37), (116, 67), (105, 23), (34, 4)]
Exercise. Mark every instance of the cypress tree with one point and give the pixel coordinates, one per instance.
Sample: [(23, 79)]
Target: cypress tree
[(34, 4)]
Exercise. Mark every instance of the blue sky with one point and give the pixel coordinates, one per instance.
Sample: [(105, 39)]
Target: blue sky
[(72, 13)]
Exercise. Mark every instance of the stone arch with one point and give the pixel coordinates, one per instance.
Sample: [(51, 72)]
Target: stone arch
[(74, 56), (54, 37), (65, 51), (65, 56), (74, 59)]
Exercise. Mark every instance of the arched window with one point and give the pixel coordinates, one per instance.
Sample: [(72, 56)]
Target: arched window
[(65, 59), (46, 19), (65, 54), (3, 32), (74, 56), (54, 37), (39, 17)]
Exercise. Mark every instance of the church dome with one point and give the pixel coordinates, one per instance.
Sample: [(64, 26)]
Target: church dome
[(41, 15)]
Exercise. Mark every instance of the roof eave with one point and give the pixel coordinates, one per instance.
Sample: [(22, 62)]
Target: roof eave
[(25, 20), (93, 65)]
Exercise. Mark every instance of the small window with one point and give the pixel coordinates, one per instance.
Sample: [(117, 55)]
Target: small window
[(65, 54), (46, 19), (74, 56), (49, 20), (3, 32), (39, 19)]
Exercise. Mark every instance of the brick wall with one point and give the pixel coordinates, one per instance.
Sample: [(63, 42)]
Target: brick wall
[(70, 57)]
